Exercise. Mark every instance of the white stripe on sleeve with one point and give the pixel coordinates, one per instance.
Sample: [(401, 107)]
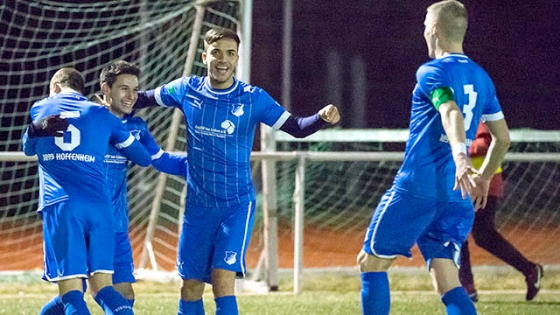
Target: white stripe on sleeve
[(126, 143), (157, 95), (281, 121), (158, 154), (493, 117)]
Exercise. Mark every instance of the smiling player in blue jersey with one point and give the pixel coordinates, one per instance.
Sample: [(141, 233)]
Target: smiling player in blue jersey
[(119, 85), (430, 201), (221, 115), (74, 199)]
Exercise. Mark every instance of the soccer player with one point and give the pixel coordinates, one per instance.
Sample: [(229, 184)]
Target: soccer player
[(484, 230), (119, 85), (221, 115), (451, 96), (74, 200)]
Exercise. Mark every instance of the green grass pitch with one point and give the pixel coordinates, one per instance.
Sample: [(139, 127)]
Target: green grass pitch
[(323, 293)]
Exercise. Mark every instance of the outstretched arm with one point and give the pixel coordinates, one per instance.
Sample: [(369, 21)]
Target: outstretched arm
[(163, 161), (50, 126), (170, 163), (133, 150), (301, 127), (146, 99)]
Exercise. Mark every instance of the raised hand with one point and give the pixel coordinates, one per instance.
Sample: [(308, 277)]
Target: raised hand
[(330, 114), (105, 101), (50, 126)]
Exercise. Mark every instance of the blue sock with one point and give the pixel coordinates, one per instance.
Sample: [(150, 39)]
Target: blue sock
[(458, 302), (74, 303), (53, 307), (191, 307), (112, 302), (226, 305), (376, 296)]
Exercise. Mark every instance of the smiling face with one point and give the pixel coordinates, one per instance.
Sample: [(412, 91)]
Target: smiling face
[(221, 59), (123, 94)]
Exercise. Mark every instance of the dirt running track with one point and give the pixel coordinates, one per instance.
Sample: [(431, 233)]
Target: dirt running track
[(23, 250)]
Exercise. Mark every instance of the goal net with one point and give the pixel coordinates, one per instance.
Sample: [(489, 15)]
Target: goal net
[(347, 172), (39, 37)]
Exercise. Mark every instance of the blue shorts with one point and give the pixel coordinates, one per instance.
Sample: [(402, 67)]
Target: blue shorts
[(401, 220), (76, 242), (214, 238), (124, 264)]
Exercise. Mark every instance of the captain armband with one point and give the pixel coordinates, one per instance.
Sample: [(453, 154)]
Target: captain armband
[(441, 95)]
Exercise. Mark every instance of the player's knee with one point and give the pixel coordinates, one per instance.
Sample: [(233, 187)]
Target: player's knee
[(223, 282), (192, 290), (370, 263)]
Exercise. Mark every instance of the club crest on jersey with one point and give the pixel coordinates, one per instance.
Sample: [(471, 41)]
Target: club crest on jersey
[(237, 110), (231, 257), (228, 126)]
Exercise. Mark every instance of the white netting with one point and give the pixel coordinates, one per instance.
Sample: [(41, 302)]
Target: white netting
[(340, 196), (38, 38)]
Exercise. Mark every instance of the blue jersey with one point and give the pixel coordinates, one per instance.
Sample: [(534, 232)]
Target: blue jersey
[(117, 165), (428, 169), (72, 166), (220, 130)]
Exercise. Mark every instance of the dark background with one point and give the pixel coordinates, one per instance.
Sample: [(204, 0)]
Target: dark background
[(517, 42)]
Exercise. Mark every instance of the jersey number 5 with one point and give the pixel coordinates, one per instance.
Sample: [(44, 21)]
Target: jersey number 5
[(468, 89), (74, 139)]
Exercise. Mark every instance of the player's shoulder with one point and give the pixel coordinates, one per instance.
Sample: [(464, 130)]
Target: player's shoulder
[(434, 65), (181, 84), (447, 64), (135, 121), (96, 108), (246, 90), (42, 102), (101, 114), (244, 87), (193, 81), (428, 66)]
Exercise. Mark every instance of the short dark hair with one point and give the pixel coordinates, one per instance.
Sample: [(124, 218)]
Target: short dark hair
[(69, 77), (215, 34), (110, 73)]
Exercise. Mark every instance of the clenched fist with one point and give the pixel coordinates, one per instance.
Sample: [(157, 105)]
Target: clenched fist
[(330, 114)]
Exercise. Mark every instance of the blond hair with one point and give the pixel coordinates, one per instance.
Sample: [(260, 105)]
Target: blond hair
[(451, 16)]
